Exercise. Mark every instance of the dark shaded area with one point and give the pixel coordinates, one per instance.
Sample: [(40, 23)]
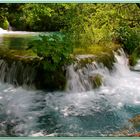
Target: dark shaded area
[(138, 4), (50, 80)]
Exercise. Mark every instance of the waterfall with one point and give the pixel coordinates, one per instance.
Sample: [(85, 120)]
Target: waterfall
[(2, 31), (17, 73), (9, 32), (10, 28), (81, 110), (79, 80)]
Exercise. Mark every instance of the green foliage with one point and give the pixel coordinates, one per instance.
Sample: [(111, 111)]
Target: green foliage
[(38, 17), (95, 23), (4, 23), (87, 24), (54, 49), (133, 58), (129, 37)]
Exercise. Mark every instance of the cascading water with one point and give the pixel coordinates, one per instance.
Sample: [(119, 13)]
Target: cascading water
[(17, 73), (79, 111), (2, 31)]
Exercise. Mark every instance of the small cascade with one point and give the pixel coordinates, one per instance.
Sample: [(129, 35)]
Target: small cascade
[(122, 67), (82, 79), (10, 28), (10, 31), (17, 73), (79, 79)]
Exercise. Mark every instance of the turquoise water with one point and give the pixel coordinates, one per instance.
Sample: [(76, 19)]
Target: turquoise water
[(19, 40)]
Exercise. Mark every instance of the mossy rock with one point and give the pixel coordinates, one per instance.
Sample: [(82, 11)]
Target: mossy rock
[(107, 59), (48, 80), (83, 62), (133, 60), (25, 56), (102, 54), (96, 80)]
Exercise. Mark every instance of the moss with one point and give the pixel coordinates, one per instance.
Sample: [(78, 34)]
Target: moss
[(102, 54), (19, 55), (133, 60), (83, 62), (107, 59), (96, 80)]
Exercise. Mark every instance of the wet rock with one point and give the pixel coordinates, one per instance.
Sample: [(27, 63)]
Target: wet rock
[(83, 60), (107, 59), (96, 80), (135, 121)]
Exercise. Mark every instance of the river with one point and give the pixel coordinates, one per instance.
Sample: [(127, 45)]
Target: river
[(78, 111)]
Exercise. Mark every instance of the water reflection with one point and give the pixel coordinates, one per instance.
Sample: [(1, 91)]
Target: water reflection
[(1, 40), (15, 42)]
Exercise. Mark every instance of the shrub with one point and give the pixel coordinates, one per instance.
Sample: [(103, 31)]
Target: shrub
[(54, 49), (4, 23)]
